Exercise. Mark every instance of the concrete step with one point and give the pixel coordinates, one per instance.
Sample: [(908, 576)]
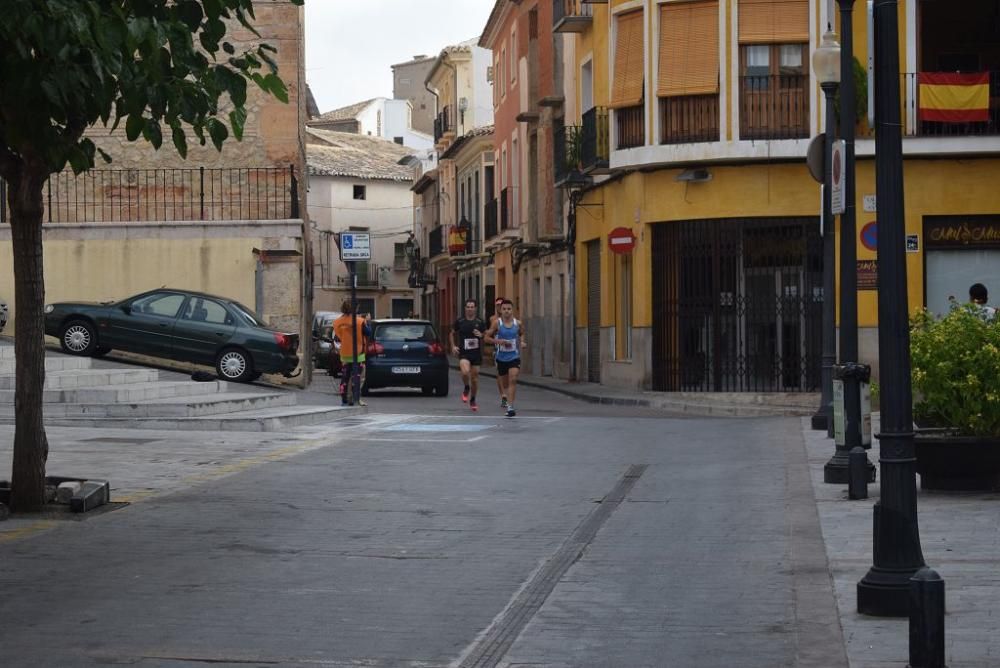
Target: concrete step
[(721, 409), (52, 363), (87, 378), (808, 400), (127, 393), (6, 351), (165, 408), (266, 419)]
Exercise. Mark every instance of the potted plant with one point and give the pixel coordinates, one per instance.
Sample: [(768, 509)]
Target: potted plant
[(956, 383)]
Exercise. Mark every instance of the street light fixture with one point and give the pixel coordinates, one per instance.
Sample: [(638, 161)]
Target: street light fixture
[(849, 371), (826, 64), (896, 554)]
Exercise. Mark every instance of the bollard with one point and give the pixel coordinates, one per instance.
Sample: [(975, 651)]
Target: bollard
[(926, 619), (857, 473)]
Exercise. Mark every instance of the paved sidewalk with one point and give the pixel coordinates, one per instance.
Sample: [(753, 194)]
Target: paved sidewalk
[(722, 404), (960, 536)]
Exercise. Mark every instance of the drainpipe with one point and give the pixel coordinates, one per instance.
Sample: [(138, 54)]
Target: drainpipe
[(571, 270)]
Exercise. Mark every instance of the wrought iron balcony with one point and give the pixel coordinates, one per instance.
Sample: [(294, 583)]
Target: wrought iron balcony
[(444, 124), (595, 141), (571, 15), (505, 222), (435, 242), (774, 107), (490, 224), (567, 146), (369, 275), (464, 241), (915, 123), (630, 125), (689, 118)]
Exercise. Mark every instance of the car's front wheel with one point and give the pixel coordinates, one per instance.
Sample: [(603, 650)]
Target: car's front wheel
[(78, 338), (235, 365)]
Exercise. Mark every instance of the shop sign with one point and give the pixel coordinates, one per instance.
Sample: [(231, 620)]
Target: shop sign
[(962, 232), (867, 274)]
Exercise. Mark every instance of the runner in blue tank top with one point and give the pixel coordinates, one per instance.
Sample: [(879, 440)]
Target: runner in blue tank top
[(507, 334)]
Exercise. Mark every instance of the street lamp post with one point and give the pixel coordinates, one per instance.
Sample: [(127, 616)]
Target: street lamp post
[(826, 63), (849, 371), (896, 553)]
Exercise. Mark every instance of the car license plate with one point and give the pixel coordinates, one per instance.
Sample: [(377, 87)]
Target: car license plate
[(406, 369)]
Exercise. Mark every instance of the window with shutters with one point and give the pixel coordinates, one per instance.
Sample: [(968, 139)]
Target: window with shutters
[(688, 73), (774, 75), (628, 80)]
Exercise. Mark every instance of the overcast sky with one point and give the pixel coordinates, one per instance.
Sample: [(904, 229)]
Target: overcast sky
[(350, 45)]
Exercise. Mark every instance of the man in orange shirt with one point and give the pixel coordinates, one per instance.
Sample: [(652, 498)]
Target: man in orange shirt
[(353, 368)]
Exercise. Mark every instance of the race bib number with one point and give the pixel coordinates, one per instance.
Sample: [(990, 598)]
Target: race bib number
[(506, 345), (472, 344)]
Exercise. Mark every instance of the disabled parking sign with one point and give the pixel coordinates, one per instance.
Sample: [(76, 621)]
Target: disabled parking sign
[(355, 246)]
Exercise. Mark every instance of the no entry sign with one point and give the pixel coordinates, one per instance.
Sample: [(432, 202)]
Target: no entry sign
[(621, 240)]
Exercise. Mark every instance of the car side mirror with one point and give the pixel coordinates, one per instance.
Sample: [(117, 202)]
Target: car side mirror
[(127, 309)]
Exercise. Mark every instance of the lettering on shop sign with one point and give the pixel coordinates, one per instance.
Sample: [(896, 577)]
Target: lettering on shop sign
[(962, 232), (867, 274)]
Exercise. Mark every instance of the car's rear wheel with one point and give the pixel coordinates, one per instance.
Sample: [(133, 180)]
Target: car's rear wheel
[(78, 338), (101, 352), (255, 376), (427, 391), (234, 365), (442, 389)]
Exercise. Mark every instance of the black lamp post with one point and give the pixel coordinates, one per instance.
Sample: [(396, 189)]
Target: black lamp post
[(826, 63), (884, 590), (849, 371)]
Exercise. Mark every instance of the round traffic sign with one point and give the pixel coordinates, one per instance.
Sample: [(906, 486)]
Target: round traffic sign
[(869, 235), (621, 240)]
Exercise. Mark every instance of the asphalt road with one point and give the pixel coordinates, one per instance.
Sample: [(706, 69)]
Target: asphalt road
[(424, 536)]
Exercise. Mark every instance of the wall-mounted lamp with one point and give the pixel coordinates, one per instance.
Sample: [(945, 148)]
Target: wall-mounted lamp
[(700, 175)]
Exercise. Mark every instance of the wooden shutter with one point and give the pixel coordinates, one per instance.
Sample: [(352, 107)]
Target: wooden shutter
[(773, 21), (689, 48), (627, 87)]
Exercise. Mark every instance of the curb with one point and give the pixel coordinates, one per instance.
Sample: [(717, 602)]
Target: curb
[(589, 398)]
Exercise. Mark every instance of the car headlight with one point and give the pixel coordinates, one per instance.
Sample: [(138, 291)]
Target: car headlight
[(49, 308)]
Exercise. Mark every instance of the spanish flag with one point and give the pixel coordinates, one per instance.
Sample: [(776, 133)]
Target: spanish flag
[(954, 98)]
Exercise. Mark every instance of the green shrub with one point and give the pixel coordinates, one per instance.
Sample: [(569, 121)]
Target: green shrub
[(956, 371)]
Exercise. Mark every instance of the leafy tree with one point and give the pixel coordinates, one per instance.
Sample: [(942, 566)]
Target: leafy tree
[(65, 65)]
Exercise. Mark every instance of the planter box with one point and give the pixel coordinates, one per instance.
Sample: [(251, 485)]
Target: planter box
[(957, 463)]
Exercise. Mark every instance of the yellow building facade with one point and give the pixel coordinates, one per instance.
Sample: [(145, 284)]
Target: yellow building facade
[(695, 120)]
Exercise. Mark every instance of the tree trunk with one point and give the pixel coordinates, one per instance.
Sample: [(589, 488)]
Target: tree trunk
[(31, 447)]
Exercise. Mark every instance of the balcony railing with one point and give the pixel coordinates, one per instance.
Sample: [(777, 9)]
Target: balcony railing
[(566, 146), (571, 15), (690, 118), (774, 107), (490, 223), (465, 241), (630, 125), (435, 242), (444, 123), (149, 195), (913, 126), (505, 222), (594, 140), (369, 275)]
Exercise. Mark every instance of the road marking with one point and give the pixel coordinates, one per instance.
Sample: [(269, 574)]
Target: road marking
[(27, 531), (423, 426), (473, 439)]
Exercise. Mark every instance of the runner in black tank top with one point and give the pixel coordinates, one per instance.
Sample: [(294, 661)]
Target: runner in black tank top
[(467, 345)]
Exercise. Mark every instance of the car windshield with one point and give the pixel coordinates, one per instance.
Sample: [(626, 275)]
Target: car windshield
[(247, 314), (327, 332), (404, 332)]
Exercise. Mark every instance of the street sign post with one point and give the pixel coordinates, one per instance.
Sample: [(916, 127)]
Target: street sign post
[(837, 203), (354, 247)]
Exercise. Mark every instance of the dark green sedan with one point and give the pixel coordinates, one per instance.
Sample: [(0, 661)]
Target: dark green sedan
[(180, 325)]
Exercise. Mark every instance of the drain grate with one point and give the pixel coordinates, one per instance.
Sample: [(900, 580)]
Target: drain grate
[(497, 639)]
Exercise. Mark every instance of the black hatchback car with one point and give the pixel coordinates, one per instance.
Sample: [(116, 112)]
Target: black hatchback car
[(406, 353), (176, 324)]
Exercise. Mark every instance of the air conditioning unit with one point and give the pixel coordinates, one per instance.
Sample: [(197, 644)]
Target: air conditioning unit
[(489, 73)]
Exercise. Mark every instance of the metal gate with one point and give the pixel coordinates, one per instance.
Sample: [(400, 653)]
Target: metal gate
[(594, 311), (737, 305)]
